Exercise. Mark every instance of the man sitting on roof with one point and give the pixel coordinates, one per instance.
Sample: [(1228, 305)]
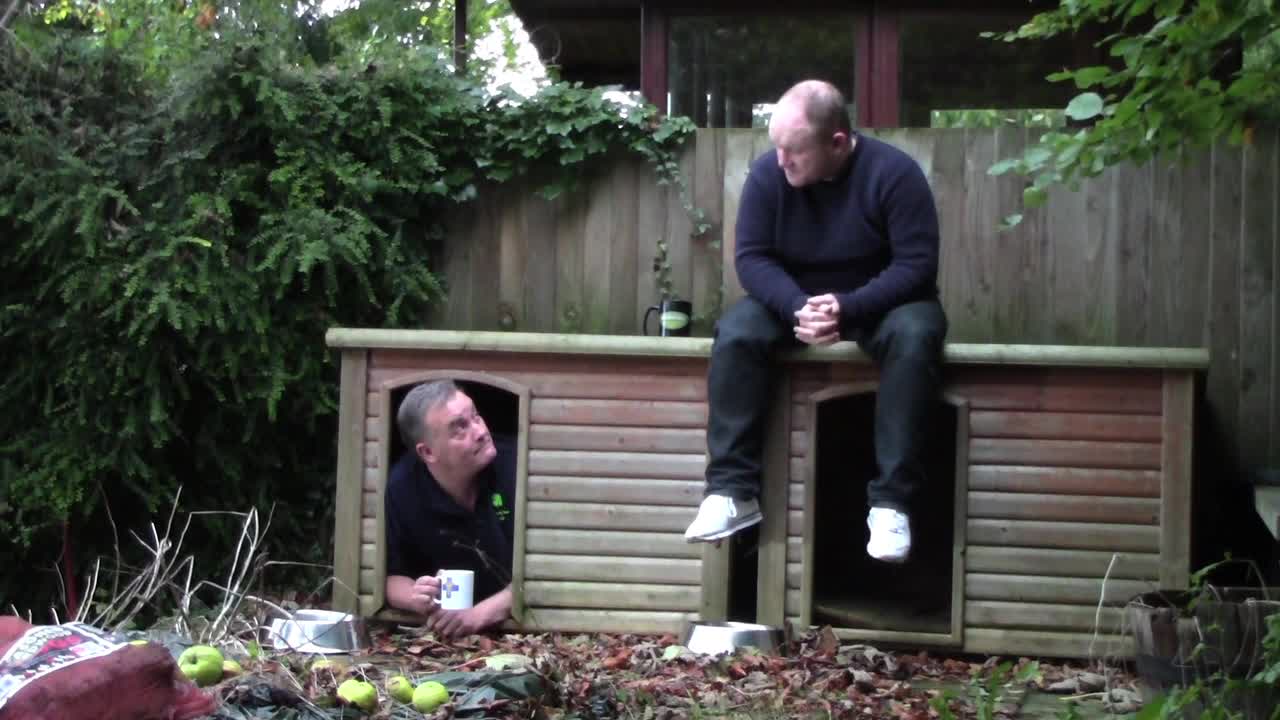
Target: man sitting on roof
[(449, 506)]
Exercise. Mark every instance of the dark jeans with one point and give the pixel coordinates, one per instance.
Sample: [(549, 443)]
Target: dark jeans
[(906, 346)]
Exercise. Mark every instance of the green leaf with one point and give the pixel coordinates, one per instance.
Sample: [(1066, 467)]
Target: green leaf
[(1037, 157), (1034, 197), (1011, 221), (1004, 166), (1085, 106), (1090, 76)]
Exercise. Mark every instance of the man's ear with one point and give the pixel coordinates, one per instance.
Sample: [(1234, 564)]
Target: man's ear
[(840, 140), (424, 453)]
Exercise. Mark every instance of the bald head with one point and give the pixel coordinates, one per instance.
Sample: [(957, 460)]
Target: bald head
[(810, 132), (822, 104)]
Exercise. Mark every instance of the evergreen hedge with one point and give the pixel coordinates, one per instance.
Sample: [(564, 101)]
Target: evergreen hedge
[(175, 247)]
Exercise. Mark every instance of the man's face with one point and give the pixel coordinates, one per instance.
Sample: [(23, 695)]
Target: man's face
[(804, 156), (457, 440)]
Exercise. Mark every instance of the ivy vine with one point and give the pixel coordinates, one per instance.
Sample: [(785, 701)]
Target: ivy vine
[(178, 242)]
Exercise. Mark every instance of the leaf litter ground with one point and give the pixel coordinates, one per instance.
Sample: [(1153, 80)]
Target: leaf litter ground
[(605, 676)]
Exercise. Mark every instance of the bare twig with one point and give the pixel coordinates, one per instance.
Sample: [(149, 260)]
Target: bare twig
[(115, 537), (1102, 597), (12, 11)]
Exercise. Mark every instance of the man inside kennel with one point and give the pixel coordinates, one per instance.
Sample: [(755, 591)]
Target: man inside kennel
[(837, 238), (449, 506)]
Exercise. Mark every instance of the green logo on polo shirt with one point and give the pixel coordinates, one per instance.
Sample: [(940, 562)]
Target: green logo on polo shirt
[(499, 507)]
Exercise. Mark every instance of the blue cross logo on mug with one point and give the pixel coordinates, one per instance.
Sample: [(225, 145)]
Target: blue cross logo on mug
[(449, 587)]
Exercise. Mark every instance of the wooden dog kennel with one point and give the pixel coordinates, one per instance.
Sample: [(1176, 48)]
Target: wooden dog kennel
[(1071, 471)]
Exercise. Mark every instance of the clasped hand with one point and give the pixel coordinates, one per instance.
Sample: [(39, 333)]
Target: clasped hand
[(448, 624), (818, 322)]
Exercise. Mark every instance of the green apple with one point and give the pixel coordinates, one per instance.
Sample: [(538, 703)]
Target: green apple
[(400, 688), (359, 693), (429, 696), (201, 664), (231, 668)]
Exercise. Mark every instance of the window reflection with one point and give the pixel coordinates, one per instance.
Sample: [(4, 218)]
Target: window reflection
[(726, 71), (954, 77)]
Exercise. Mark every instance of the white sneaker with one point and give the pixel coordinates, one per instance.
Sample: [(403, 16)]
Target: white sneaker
[(890, 535), (720, 516)]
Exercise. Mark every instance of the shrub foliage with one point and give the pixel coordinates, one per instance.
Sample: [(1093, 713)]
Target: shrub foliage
[(176, 245)]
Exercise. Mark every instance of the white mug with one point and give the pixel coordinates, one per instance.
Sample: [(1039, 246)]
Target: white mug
[(456, 587)]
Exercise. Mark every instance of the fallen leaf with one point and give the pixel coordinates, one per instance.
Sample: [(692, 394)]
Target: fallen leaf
[(827, 643)]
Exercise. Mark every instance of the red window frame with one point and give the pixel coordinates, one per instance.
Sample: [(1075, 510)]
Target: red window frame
[(875, 41)]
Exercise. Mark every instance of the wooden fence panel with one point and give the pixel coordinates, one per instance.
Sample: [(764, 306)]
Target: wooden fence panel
[(1180, 251), (1223, 381), (1257, 302)]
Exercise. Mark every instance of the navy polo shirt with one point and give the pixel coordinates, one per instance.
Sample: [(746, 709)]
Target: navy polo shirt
[(428, 531)]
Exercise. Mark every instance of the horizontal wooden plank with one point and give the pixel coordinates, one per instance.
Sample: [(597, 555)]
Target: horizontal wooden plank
[(624, 491), (368, 530), (611, 596), (369, 581), (640, 413), (373, 403), (654, 622), (901, 638), (795, 549), (1062, 563), (795, 496), (594, 568), (799, 443), (585, 516), (1058, 391), (1064, 453), (1065, 481), (1043, 643), (368, 606), (795, 573), (369, 505), (368, 555), (1067, 508), (671, 466), (1044, 616), (373, 478), (690, 385), (372, 454), (810, 380), (796, 469), (388, 340), (557, 360), (799, 415), (841, 353), (374, 428), (1038, 588), (1064, 426), (795, 523), (617, 439), (610, 542), (792, 604), (1083, 536)]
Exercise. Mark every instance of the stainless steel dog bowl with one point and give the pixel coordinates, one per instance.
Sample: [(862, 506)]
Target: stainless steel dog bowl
[(318, 631), (715, 638)]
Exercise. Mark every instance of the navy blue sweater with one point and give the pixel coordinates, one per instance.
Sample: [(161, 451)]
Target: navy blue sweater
[(868, 235)]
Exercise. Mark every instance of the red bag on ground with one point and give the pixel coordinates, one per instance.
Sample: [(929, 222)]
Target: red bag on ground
[(75, 672)]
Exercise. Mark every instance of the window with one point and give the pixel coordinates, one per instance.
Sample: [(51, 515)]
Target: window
[(948, 67), (726, 71)]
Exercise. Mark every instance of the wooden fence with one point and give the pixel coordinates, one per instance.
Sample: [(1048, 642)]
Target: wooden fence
[(1179, 252)]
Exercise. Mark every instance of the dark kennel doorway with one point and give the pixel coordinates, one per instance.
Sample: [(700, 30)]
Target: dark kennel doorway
[(919, 601), (499, 407)]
